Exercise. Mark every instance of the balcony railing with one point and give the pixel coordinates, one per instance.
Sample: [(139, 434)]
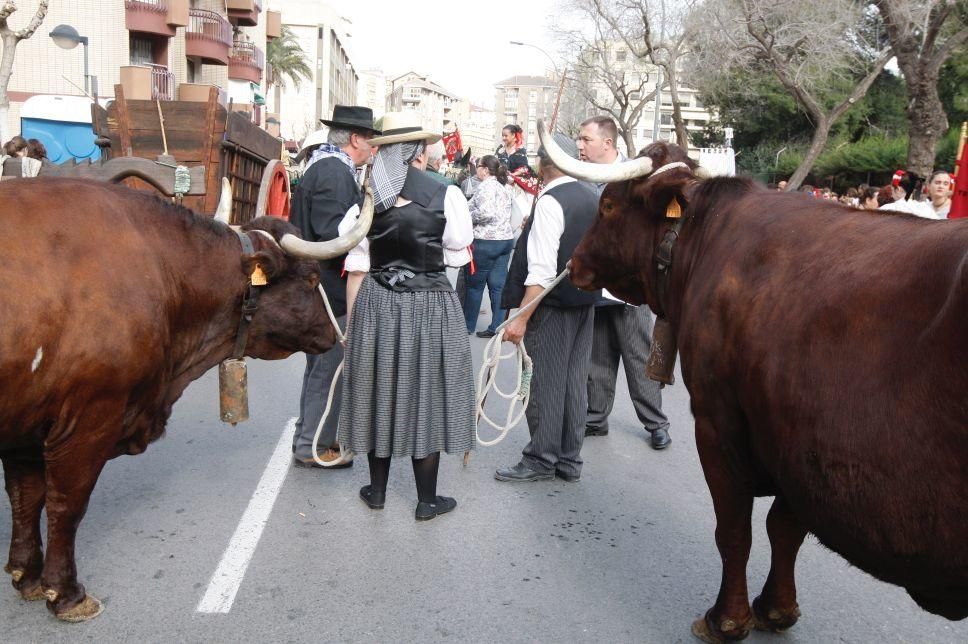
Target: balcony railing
[(246, 62), (158, 6), (208, 25), (246, 53), (162, 83)]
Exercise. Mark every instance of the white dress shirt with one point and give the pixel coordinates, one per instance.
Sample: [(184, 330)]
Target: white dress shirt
[(545, 237), (458, 232)]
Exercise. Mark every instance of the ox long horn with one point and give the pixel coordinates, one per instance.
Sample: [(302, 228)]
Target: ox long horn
[(593, 172), (224, 211), (336, 247)]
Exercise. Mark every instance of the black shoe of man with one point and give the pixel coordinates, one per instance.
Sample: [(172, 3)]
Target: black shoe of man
[(660, 438), (596, 431), (521, 473)]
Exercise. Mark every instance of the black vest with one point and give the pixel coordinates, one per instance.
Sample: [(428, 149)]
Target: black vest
[(580, 205), (406, 242)]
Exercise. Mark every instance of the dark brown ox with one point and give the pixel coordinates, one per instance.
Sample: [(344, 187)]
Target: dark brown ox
[(113, 301), (826, 355)]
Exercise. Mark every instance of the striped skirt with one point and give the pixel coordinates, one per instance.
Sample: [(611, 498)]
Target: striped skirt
[(408, 386)]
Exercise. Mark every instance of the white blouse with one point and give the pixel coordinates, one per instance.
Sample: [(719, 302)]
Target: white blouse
[(458, 233)]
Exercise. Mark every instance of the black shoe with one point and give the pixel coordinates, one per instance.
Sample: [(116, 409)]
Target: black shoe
[(567, 478), (375, 500), (660, 438), (486, 333), (427, 511), (519, 473), (596, 431)]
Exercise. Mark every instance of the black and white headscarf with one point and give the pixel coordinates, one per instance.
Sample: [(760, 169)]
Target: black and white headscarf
[(390, 171)]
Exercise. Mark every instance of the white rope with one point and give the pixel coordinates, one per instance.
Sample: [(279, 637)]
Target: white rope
[(345, 454), (487, 377)]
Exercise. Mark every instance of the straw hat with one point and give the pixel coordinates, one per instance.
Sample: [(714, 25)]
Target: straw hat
[(400, 127)]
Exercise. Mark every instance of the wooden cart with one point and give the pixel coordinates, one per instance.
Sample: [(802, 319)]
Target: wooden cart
[(142, 143)]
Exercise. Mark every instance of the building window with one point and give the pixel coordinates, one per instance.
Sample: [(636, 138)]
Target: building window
[(696, 102), (142, 52), (620, 55), (666, 119)]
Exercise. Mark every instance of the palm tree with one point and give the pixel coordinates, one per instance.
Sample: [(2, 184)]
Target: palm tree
[(288, 60)]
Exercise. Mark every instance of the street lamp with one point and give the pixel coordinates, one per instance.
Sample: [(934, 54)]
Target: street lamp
[(547, 55), (561, 77), (66, 37)]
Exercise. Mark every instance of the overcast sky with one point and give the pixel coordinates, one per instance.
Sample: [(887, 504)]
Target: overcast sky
[(462, 46)]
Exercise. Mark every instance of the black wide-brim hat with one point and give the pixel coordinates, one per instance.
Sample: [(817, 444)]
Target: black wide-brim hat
[(352, 117)]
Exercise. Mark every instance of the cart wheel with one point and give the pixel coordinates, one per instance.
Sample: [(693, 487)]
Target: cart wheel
[(274, 194)]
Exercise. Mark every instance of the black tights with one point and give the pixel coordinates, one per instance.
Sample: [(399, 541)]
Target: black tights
[(424, 473)]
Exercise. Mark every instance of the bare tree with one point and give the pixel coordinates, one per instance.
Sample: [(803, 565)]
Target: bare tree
[(637, 21), (923, 34), (818, 50), (602, 73), (11, 39)]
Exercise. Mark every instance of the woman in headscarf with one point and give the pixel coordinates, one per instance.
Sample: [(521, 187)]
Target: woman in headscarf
[(409, 387)]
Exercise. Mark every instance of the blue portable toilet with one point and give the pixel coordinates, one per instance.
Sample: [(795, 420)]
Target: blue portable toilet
[(62, 124)]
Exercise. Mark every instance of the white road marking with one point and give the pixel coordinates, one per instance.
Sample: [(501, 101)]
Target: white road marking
[(228, 576), (37, 358)]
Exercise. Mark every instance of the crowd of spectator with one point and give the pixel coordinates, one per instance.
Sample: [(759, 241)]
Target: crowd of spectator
[(907, 193)]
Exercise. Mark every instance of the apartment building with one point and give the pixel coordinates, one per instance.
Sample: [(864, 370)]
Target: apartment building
[(476, 125), (158, 49), (416, 92), (522, 100), (322, 33), (372, 91)]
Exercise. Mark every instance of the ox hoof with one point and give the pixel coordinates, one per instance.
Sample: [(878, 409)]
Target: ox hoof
[(774, 620), (87, 609), (730, 630), (33, 593)]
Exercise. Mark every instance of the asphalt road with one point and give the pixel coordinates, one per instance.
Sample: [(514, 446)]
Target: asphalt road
[(625, 555)]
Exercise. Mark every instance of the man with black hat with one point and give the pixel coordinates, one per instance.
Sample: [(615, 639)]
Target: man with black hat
[(327, 190), (558, 331)]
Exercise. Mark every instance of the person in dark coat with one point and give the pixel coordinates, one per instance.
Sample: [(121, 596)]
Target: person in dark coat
[(409, 374), (328, 189)]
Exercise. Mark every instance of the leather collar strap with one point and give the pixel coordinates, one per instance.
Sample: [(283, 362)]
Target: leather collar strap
[(663, 262), (250, 303)]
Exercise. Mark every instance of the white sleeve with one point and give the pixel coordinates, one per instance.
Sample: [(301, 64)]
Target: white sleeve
[(543, 242), (459, 231), (358, 258)]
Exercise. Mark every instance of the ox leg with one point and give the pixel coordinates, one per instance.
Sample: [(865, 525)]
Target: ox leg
[(776, 608), (73, 467), (24, 480), (729, 619)]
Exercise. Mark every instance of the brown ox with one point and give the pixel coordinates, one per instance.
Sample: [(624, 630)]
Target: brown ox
[(826, 355), (113, 301)]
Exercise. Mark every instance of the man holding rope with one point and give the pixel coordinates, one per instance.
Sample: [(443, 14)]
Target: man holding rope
[(557, 332), (326, 192)]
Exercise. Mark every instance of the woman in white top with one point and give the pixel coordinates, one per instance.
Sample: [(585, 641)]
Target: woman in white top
[(493, 242), (939, 191)]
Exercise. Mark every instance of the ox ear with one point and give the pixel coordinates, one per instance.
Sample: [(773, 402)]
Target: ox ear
[(664, 197), (261, 267)]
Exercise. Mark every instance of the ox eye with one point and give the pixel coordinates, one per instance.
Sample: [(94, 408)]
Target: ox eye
[(607, 208)]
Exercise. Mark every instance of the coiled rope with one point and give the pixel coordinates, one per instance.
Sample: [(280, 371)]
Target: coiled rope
[(487, 377)]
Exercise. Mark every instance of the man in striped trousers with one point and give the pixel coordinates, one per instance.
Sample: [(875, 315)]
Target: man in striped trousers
[(621, 331), (557, 332)]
